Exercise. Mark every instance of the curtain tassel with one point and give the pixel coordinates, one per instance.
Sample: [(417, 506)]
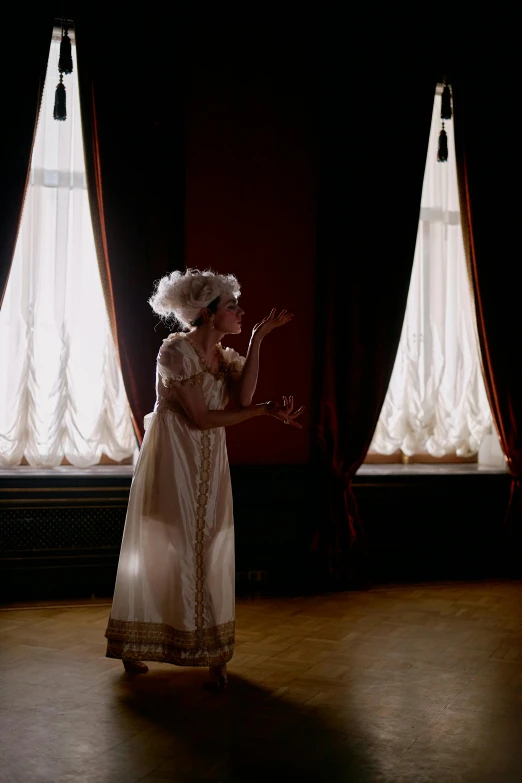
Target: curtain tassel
[(445, 108), (442, 155), (65, 63), (60, 104)]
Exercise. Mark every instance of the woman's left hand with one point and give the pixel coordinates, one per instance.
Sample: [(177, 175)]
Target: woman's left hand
[(286, 412), (271, 321)]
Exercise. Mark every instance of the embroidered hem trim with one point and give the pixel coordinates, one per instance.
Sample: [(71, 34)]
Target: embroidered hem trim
[(134, 640)]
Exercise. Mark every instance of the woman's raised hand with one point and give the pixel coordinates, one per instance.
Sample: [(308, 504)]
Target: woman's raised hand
[(271, 321), (286, 412)]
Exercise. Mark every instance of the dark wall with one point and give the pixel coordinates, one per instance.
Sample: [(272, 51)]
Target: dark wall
[(251, 167), (60, 536)]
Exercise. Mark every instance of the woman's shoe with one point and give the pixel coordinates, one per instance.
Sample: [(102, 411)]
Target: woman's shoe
[(218, 679), (135, 667)]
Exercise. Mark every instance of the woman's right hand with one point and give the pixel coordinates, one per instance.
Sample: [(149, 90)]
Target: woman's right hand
[(272, 321), (285, 412)]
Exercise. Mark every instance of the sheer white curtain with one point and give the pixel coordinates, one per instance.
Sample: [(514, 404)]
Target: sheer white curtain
[(61, 391), (436, 401)]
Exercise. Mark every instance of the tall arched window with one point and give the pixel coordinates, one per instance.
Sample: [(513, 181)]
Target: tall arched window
[(61, 390), (436, 403)]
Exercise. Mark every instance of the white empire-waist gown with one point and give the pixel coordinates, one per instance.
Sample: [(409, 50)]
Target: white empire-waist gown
[(175, 593)]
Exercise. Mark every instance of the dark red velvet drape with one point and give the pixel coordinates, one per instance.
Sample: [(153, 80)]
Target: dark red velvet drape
[(132, 99), (24, 76), (373, 151), (489, 170)]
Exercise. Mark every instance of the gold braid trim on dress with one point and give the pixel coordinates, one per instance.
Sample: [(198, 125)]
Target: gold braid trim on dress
[(235, 368), (201, 515), (193, 380), (134, 640), (226, 370)]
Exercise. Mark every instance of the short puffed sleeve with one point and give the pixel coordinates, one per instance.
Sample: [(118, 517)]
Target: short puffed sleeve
[(177, 363), (234, 361)]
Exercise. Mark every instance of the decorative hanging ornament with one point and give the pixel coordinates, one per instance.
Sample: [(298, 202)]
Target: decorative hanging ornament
[(442, 155), (65, 65), (445, 105), (60, 102), (445, 114)]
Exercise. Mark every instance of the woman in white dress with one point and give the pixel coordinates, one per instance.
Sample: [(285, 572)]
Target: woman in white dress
[(174, 599)]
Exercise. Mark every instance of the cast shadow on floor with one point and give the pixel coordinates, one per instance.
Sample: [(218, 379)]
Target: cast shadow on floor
[(245, 735)]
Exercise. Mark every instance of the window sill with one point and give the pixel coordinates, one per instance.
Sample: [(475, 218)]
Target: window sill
[(66, 471), (438, 469), (423, 458)]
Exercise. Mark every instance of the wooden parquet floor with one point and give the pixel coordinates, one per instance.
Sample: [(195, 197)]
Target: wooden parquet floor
[(407, 685)]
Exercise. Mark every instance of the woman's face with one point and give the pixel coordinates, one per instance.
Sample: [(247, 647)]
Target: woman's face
[(227, 318)]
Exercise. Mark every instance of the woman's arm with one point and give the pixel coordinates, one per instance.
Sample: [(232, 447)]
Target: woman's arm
[(244, 387), (193, 403)]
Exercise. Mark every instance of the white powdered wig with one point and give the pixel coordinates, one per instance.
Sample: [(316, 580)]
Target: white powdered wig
[(183, 295)]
